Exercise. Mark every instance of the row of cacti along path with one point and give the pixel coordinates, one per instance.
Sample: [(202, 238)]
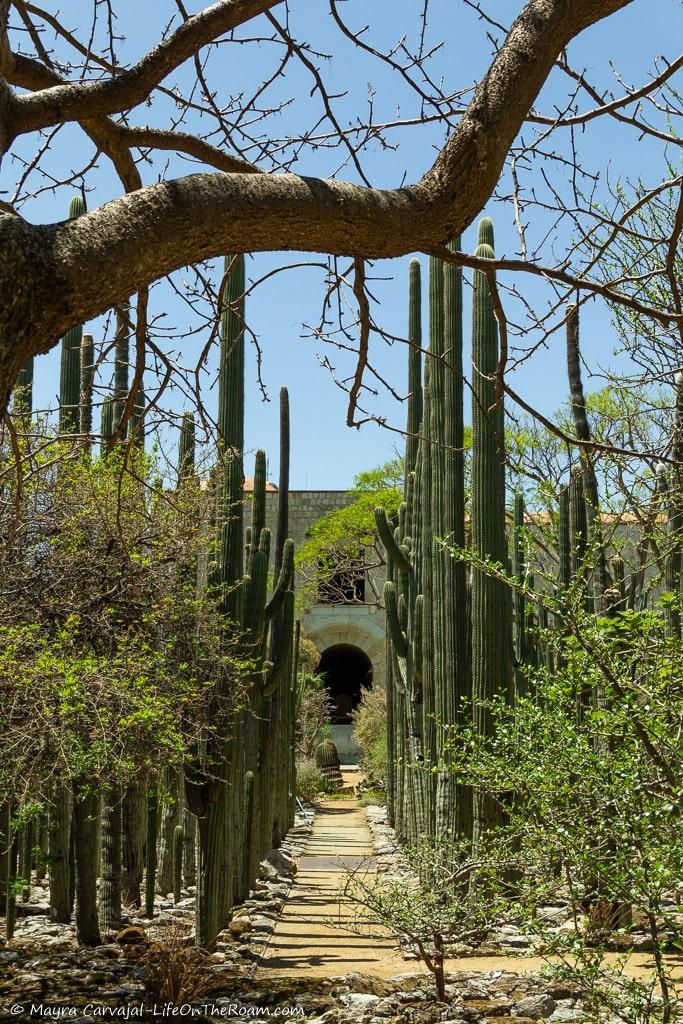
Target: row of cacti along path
[(438, 667), (212, 820), (458, 635)]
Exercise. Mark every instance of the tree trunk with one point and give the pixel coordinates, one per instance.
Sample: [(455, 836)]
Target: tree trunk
[(110, 860), (133, 811), (58, 840), (85, 808), (189, 852)]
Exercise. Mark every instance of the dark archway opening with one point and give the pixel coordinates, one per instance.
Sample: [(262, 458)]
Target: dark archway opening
[(347, 671)]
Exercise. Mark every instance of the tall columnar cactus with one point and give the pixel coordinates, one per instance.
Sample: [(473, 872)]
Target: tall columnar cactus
[(209, 778), (520, 570), (670, 486), (275, 731), (110, 860), (327, 760), (425, 593), (151, 845), (186, 447), (230, 846), (10, 852), (121, 363), (106, 424), (564, 574), (85, 811), (578, 530), (454, 810), (404, 602), (170, 811), (70, 370), (136, 427), (178, 850), (59, 826), (248, 818), (87, 382), (414, 365), (133, 811), (491, 654)]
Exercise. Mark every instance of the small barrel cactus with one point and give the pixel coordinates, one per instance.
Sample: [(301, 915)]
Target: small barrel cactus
[(327, 760)]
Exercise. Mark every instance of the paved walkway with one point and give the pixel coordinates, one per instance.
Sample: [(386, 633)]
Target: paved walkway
[(305, 941)]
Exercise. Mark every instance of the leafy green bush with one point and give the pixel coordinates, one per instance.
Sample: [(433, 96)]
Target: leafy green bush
[(598, 792), (310, 781), (370, 730)]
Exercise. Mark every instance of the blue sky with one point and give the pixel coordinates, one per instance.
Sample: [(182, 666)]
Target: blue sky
[(327, 454)]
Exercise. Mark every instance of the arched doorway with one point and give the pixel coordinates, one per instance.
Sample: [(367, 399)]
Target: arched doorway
[(351, 642), (347, 671)]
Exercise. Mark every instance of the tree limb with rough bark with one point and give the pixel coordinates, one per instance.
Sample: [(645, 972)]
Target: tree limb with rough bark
[(155, 228)]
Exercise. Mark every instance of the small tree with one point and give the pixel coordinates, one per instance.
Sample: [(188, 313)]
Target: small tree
[(343, 544), (434, 908)]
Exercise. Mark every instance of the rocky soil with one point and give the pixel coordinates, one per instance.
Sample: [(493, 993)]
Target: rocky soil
[(44, 966), (509, 938), (44, 975)]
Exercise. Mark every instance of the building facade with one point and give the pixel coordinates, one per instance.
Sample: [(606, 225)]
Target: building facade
[(349, 634)]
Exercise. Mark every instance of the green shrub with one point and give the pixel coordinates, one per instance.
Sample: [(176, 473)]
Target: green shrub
[(370, 729), (372, 798), (310, 781), (313, 711)]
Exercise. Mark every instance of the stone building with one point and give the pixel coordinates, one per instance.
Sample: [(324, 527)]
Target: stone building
[(348, 634)]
